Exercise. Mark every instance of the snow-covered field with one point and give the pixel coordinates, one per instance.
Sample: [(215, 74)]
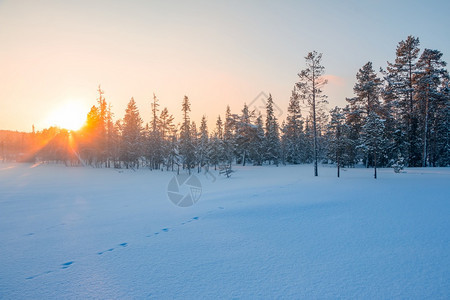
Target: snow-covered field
[(266, 232)]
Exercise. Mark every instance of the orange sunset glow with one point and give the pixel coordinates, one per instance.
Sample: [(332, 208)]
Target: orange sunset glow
[(70, 115), (55, 53)]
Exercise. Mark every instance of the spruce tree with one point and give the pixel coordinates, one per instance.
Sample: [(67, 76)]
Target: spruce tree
[(293, 139), (216, 152), (373, 138), (258, 142), (167, 131), (244, 133), (102, 128), (272, 138), (229, 137), (203, 144), (155, 140), (187, 151), (367, 90), (132, 148), (337, 138)]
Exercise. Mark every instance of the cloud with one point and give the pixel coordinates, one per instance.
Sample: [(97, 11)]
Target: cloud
[(334, 80)]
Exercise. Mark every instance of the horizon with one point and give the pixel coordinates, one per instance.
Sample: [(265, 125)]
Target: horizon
[(55, 54)]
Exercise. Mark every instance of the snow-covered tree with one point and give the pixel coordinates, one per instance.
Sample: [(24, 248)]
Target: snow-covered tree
[(431, 95), (272, 135), (337, 138), (399, 98), (113, 139), (309, 86), (187, 150), (244, 134), (229, 140), (195, 145), (258, 142), (203, 144), (216, 150), (102, 128), (173, 153), (155, 139), (167, 132), (367, 90), (372, 138), (132, 148), (293, 139)]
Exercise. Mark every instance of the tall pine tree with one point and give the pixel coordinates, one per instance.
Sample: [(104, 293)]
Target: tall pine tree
[(310, 86), (272, 137), (187, 150), (132, 148)]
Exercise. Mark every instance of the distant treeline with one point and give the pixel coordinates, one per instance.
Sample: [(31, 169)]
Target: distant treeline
[(400, 115)]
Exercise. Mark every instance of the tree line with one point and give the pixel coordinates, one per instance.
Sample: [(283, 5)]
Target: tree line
[(399, 115)]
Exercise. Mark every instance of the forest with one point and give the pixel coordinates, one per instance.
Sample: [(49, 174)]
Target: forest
[(398, 116)]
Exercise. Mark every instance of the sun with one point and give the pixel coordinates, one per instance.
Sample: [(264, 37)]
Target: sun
[(70, 115)]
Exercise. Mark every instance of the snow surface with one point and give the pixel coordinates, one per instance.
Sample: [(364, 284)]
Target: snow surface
[(266, 232)]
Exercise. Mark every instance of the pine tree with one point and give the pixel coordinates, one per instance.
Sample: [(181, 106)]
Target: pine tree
[(131, 149), (112, 139), (187, 151), (155, 141), (433, 102), (203, 144), (173, 155), (258, 143), (337, 138), (310, 88), (166, 123), (293, 139), (216, 151), (244, 133), (367, 90), (195, 145), (399, 96), (102, 128), (372, 138), (166, 129), (228, 137), (272, 137), (89, 147), (116, 143)]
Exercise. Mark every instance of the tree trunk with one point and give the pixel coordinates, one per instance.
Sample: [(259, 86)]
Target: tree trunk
[(338, 164), (338, 153), (375, 165), (314, 125), (424, 154)]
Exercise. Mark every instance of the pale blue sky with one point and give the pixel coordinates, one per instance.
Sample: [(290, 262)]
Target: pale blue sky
[(217, 53)]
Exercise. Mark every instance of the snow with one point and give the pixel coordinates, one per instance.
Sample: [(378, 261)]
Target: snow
[(266, 232)]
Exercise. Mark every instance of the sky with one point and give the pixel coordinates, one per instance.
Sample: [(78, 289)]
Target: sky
[(54, 54)]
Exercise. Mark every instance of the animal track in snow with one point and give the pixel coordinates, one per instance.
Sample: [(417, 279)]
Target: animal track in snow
[(112, 249), (66, 265), (62, 267)]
